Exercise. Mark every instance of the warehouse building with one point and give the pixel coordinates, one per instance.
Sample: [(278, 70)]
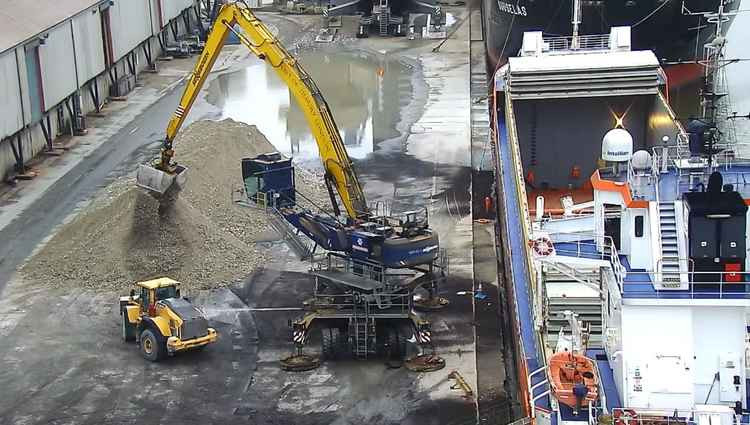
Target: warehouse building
[(63, 59)]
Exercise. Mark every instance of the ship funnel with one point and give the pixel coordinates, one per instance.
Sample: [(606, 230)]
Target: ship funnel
[(617, 145)]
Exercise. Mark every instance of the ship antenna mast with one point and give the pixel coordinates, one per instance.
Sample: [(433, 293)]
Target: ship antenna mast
[(714, 84), (576, 21)]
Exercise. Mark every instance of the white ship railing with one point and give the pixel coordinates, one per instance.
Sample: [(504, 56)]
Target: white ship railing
[(729, 155), (585, 42), (541, 384), (702, 285), (586, 246), (693, 170), (650, 416)]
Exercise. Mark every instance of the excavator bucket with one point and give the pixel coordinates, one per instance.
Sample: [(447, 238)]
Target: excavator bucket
[(158, 181)]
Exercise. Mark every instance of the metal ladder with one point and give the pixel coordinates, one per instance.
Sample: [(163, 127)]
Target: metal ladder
[(384, 17), (361, 327), (670, 257)]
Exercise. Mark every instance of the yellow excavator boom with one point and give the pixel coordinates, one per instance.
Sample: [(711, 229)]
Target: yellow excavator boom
[(259, 39)]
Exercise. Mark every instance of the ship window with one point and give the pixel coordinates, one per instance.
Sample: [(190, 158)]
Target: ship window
[(639, 226)]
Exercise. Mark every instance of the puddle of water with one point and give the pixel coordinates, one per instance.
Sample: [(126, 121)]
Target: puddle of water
[(375, 99), (365, 91), (449, 19)]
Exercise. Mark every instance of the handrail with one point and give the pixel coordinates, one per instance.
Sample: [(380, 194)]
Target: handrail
[(667, 416), (702, 285), (573, 274), (582, 42), (607, 243), (532, 387), (656, 234)]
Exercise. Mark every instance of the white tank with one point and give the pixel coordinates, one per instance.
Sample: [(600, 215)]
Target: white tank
[(617, 145), (641, 160)]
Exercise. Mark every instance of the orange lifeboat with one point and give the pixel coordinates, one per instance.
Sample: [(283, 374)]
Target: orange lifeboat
[(574, 379)]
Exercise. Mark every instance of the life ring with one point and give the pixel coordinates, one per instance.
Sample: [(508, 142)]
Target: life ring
[(624, 416), (543, 246)]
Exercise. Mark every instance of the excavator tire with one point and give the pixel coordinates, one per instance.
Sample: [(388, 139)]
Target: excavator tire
[(153, 347)]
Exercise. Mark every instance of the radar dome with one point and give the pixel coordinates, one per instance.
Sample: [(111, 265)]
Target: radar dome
[(617, 145), (641, 160)]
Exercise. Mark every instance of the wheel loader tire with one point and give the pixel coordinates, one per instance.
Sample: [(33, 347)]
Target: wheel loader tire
[(128, 329), (331, 343), (153, 346)]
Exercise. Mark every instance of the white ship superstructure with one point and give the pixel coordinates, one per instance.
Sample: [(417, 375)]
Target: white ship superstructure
[(628, 235)]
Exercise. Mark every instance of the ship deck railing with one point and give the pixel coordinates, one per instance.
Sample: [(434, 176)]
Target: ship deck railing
[(586, 245), (641, 284), (666, 416), (586, 43), (674, 170), (701, 285)]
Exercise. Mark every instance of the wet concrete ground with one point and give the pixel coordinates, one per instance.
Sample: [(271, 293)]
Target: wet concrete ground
[(63, 358)]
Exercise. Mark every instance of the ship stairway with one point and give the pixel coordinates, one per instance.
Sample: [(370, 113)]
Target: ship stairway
[(576, 290), (670, 257), (384, 17)]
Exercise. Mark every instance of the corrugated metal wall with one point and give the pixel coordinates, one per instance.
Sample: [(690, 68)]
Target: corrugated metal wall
[(11, 118), (130, 25), (172, 8), (58, 65), (87, 30)]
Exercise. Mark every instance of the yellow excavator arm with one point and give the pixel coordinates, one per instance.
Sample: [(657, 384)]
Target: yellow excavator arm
[(257, 37)]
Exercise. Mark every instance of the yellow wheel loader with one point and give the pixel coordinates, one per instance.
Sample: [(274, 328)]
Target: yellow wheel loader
[(161, 322)]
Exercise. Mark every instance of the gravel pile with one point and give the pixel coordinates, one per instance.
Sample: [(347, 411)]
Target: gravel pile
[(213, 150), (197, 236)]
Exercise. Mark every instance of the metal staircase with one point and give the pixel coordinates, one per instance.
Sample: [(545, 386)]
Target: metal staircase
[(384, 16), (670, 257), (574, 292), (289, 234)]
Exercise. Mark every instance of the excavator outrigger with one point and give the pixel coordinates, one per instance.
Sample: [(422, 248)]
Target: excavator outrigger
[(363, 309)]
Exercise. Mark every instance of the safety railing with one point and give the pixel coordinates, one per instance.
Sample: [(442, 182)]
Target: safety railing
[(582, 42), (394, 303), (532, 387), (701, 285), (360, 268), (727, 156), (655, 221), (685, 267), (666, 416), (586, 245)]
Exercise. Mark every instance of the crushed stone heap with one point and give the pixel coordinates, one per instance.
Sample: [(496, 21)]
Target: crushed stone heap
[(197, 236)]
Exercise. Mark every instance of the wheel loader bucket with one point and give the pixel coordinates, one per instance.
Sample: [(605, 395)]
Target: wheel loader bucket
[(159, 181)]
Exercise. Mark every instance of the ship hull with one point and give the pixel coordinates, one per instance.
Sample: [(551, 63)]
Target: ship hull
[(657, 25)]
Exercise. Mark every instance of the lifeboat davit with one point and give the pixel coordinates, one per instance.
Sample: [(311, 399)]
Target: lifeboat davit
[(574, 379)]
